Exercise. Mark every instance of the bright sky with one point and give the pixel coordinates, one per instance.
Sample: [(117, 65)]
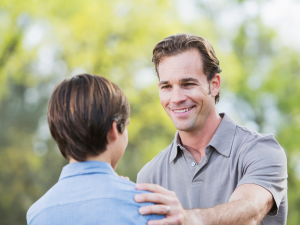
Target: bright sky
[(281, 15), (284, 16)]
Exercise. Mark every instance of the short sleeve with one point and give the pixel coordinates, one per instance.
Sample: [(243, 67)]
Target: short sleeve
[(154, 217), (264, 163), (142, 178), (146, 174)]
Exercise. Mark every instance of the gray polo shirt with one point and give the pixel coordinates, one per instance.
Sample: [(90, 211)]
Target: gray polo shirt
[(234, 156)]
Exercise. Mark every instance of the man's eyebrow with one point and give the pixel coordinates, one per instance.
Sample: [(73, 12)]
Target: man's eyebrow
[(189, 79), (183, 80), (163, 83)]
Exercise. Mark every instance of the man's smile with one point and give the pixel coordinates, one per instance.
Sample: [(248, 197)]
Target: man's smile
[(181, 111)]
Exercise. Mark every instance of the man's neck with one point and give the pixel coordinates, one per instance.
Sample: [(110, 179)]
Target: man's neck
[(196, 141)]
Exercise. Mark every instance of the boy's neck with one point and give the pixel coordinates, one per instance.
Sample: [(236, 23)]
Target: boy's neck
[(103, 157)]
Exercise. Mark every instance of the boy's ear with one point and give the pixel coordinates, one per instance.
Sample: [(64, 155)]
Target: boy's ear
[(112, 134)]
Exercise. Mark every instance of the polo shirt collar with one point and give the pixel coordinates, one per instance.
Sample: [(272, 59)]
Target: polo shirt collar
[(224, 135), (175, 146), (221, 141), (88, 167)]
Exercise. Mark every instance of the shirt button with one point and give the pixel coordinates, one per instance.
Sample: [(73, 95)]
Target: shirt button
[(193, 164)]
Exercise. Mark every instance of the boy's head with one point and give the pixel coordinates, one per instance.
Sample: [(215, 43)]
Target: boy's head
[(81, 112)]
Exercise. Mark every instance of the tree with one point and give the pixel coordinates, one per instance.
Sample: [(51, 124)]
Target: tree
[(43, 42)]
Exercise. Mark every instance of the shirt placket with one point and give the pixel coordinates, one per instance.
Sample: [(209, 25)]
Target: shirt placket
[(191, 162), (203, 162)]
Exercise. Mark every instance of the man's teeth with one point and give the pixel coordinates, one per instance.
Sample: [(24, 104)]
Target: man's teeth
[(182, 110)]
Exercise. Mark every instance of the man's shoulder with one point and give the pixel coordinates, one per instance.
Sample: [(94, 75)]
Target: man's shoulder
[(149, 171), (251, 142), (159, 159), (253, 137)]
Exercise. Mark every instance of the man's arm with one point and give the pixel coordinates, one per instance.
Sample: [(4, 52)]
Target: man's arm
[(248, 204)]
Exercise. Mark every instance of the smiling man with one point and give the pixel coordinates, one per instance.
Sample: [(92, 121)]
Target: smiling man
[(215, 171)]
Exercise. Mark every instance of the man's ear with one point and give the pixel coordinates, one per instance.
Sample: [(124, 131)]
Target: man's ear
[(215, 84), (112, 134)]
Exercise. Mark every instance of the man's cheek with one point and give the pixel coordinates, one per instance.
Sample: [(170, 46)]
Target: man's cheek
[(163, 102)]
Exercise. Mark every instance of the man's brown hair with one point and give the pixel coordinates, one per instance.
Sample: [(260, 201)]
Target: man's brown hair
[(179, 43), (80, 114)]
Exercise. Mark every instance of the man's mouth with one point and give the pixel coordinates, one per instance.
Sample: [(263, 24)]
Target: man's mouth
[(182, 110)]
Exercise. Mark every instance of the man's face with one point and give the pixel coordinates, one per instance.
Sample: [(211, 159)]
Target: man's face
[(184, 90)]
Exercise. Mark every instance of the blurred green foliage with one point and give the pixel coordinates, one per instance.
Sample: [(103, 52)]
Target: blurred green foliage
[(43, 42)]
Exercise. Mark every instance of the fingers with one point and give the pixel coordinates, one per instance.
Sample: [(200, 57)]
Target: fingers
[(168, 204), (159, 195), (174, 220), (153, 197), (162, 209), (154, 209), (126, 178)]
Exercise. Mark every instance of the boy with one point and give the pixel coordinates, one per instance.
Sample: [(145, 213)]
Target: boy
[(88, 117)]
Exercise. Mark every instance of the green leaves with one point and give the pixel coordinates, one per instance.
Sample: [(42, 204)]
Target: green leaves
[(43, 42)]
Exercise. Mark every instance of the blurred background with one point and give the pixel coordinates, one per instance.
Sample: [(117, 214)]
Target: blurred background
[(43, 42)]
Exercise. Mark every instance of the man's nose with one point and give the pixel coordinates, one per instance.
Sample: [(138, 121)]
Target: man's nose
[(178, 96)]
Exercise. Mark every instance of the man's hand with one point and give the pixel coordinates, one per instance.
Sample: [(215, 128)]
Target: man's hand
[(126, 178), (167, 203), (248, 205)]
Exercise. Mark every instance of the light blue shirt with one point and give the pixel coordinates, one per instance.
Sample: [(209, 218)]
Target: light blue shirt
[(89, 193)]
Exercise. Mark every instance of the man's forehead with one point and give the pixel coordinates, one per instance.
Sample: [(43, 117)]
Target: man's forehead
[(180, 63), (179, 66), (191, 56), (183, 68)]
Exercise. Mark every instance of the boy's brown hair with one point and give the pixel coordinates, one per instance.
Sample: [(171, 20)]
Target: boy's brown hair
[(80, 114)]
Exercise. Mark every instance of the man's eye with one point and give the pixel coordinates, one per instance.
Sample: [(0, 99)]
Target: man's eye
[(166, 87), (188, 84)]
